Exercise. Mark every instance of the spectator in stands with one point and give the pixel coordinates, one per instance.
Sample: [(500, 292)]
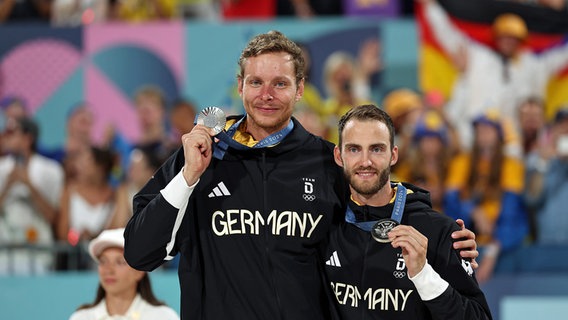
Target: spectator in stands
[(123, 292), (534, 135), (152, 120), (198, 9), (25, 11), (248, 9), (547, 189), (88, 200), (30, 188), (404, 106), (150, 104), (77, 12), (484, 188), (78, 127), (558, 5), (427, 160), (306, 9), (182, 118), (311, 121), (80, 12), (532, 122), (499, 77), (310, 109), (13, 107), (142, 165), (145, 10), (346, 85)]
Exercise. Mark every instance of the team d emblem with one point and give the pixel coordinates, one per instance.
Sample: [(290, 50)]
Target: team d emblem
[(382, 228)]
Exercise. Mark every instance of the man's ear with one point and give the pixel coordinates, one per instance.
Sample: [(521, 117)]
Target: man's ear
[(394, 156), (240, 86), (300, 90), (337, 156)]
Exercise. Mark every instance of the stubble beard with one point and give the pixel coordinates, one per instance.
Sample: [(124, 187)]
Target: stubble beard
[(366, 189)]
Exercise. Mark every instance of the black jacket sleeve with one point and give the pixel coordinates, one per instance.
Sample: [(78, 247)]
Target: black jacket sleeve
[(463, 299), (150, 234)]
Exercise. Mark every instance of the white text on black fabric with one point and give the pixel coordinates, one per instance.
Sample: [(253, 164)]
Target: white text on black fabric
[(242, 221), (372, 299)]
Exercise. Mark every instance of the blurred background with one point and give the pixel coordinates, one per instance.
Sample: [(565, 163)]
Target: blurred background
[(95, 94)]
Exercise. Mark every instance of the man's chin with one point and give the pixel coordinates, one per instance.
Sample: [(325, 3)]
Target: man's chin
[(365, 189)]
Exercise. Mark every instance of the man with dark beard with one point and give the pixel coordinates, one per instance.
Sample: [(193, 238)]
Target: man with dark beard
[(393, 258)]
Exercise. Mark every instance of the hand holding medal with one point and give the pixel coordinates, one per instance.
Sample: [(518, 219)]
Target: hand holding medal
[(380, 230), (212, 118)]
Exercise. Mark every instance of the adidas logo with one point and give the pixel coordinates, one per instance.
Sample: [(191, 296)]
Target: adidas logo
[(333, 260), (219, 190)]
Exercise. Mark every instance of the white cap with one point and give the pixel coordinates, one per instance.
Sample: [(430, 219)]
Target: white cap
[(106, 239)]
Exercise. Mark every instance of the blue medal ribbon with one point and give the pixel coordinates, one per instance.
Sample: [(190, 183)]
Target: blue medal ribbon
[(396, 215), (226, 139)]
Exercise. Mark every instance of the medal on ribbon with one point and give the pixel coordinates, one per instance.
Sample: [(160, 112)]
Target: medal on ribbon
[(213, 118), (379, 229)]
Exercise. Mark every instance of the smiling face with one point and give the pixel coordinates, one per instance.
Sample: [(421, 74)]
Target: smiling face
[(366, 157), (269, 91), (116, 276)]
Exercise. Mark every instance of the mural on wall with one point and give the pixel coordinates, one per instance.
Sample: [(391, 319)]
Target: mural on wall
[(54, 69)]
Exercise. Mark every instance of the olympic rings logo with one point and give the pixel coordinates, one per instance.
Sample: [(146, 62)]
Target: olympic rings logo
[(399, 274), (309, 197)]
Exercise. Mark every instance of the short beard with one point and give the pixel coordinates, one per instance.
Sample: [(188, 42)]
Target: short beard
[(373, 189)]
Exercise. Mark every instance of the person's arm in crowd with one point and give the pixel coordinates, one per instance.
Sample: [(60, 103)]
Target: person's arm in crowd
[(554, 60), (512, 225), (368, 64), (122, 211), (159, 208), (558, 5), (62, 223), (302, 9), (164, 9), (447, 35), (43, 205), (448, 289), (536, 170)]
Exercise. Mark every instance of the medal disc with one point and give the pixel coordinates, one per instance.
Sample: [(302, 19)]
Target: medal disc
[(212, 117), (381, 229)]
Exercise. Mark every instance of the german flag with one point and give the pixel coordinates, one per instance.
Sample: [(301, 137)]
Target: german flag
[(547, 28)]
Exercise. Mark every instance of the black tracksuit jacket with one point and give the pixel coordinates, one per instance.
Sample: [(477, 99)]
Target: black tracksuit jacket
[(250, 233), (369, 278)]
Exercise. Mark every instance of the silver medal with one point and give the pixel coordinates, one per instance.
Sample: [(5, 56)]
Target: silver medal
[(381, 229), (212, 117)]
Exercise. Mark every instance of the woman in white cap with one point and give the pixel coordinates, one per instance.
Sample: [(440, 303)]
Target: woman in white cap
[(123, 292)]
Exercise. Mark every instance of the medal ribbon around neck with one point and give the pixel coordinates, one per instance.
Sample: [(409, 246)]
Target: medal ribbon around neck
[(214, 118), (380, 228)]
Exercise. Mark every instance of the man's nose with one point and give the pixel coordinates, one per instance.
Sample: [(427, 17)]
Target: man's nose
[(267, 93)]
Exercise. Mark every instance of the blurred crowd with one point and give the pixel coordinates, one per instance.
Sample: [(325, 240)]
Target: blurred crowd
[(83, 12), (487, 154)]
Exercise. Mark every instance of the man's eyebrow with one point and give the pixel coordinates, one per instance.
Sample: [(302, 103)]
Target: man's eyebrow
[(347, 145), (380, 144)]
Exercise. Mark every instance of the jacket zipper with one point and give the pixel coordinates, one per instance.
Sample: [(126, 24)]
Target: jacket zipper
[(364, 271), (266, 236)]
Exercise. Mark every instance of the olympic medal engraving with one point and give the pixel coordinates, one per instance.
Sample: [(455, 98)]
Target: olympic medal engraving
[(212, 117), (381, 229)]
